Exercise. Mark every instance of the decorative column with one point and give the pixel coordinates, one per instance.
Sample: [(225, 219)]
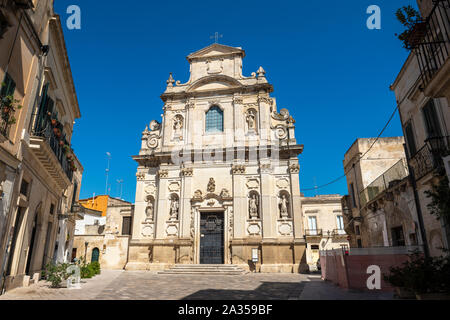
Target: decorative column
[(294, 169), (163, 204), (185, 201), (269, 210), (240, 201)]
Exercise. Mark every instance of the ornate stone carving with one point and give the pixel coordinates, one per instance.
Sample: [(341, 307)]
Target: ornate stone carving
[(285, 228), (281, 132), (238, 169), (283, 183), (187, 172), (254, 229), (252, 184), (269, 101), (153, 142), (294, 168), (163, 173), (211, 185), (174, 208), (265, 168), (174, 187), (231, 222), (284, 203), (155, 125), (140, 176), (251, 120), (238, 100), (178, 124), (150, 189), (192, 225), (198, 194), (225, 194), (282, 116), (253, 206), (149, 211)]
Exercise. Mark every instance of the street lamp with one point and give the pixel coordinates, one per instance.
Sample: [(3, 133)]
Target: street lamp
[(85, 251)]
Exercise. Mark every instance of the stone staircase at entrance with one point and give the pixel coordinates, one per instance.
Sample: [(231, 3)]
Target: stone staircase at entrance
[(205, 269)]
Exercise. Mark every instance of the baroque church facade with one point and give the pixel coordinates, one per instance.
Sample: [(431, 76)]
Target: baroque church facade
[(218, 178)]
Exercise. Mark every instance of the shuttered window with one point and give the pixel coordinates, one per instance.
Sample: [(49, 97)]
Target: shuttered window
[(8, 86), (431, 120), (410, 140), (126, 226)]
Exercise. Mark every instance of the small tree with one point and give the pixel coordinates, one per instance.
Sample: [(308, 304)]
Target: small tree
[(410, 18)]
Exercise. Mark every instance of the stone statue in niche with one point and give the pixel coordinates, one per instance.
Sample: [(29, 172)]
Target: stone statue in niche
[(177, 126), (149, 211), (253, 207), (251, 121), (284, 212), (211, 185), (174, 208)]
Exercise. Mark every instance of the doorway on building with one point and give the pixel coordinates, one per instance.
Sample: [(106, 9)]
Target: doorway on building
[(95, 255), (212, 238)]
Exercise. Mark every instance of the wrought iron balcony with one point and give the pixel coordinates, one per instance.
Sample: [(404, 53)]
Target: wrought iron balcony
[(313, 232), (430, 40), (49, 149), (396, 173), (339, 233), (429, 158)]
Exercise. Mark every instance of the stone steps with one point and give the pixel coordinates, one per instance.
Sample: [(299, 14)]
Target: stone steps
[(203, 269)]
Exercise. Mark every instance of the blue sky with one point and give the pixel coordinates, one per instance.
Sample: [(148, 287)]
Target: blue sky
[(327, 67)]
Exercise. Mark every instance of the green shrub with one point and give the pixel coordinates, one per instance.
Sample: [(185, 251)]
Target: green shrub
[(56, 274), (422, 275), (96, 266)]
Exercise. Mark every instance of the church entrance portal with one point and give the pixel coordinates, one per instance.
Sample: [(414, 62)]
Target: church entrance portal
[(212, 238)]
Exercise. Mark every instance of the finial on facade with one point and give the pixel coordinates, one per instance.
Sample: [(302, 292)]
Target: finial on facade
[(171, 81), (261, 72)]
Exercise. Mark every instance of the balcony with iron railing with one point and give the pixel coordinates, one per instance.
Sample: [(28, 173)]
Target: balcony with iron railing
[(429, 158), (49, 145), (396, 173), (430, 40), (313, 232)]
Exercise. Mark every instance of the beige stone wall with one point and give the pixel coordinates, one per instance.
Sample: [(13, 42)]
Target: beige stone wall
[(326, 209)]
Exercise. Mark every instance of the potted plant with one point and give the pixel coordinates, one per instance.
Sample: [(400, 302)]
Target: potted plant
[(8, 108), (416, 28)]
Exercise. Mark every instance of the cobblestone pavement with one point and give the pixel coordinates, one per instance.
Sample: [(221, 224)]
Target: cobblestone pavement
[(121, 285)]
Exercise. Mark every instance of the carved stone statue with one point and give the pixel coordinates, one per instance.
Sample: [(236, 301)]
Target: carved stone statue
[(251, 121), (155, 125), (177, 126), (149, 211), (174, 209), (211, 185), (253, 207), (284, 207), (225, 193)]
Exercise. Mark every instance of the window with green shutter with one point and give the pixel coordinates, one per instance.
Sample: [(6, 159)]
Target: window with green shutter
[(431, 120), (8, 86)]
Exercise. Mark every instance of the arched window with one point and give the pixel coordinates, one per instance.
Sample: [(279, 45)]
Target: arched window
[(214, 120)]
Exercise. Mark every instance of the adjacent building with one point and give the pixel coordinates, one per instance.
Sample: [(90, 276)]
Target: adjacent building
[(325, 230), (104, 235), (422, 89), (40, 176)]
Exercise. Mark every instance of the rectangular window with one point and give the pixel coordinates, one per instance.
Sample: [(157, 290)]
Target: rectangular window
[(359, 241), (357, 231), (410, 140), (52, 209), (431, 120), (340, 224), (352, 194), (8, 86), (398, 239), (126, 226), (24, 188), (312, 225)]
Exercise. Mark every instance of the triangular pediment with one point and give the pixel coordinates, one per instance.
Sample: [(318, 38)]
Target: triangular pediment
[(215, 50)]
